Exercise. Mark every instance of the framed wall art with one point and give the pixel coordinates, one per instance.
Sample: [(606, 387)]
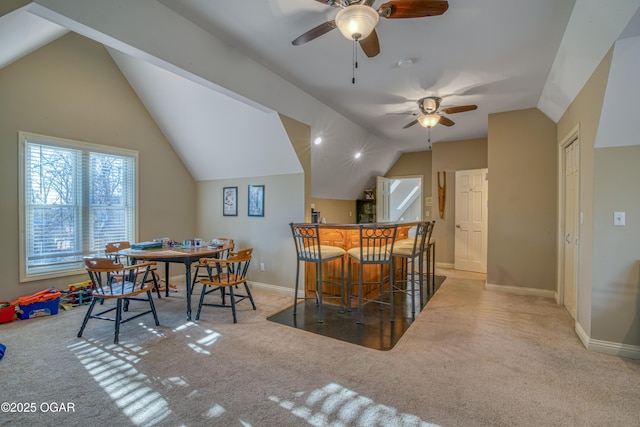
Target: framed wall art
[(230, 201), (256, 200)]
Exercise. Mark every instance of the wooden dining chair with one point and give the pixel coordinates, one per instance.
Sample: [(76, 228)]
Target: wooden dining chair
[(201, 268), (130, 284), (111, 251), (225, 275)]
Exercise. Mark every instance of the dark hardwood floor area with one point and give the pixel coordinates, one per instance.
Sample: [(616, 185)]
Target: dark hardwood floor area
[(376, 331)]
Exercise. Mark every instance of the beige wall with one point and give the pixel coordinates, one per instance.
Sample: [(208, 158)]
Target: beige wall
[(449, 157), (585, 112), (616, 278), (7, 6), (72, 89), (336, 211), (608, 282), (522, 249), (300, 136), (269, 236)]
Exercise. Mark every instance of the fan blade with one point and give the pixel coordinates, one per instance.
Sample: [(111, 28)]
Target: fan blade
[(460, 109), (445, 121), (314, 33), (371, 45), (413, 8), (329, 2), (408, 125)]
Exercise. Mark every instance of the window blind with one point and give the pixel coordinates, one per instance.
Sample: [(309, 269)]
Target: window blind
[(77, 197)]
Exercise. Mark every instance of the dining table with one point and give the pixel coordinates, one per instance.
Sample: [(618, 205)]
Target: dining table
[(186, 255)]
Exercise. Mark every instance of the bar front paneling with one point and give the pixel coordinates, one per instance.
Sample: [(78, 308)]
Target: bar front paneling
[(347, 236)]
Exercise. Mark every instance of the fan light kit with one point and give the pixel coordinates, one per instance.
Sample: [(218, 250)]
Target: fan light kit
[(431, 114), (357, 22), (429, 120)]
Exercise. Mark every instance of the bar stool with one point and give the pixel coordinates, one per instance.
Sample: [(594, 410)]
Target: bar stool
[(430, 249), (412, 250), (308, 249), (376, 246)]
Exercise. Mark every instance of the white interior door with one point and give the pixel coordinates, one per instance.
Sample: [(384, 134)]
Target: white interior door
[(571, 225), (472, 195), (382, 199)]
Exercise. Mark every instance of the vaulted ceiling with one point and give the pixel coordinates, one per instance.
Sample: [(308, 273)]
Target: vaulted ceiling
[(500, 55)]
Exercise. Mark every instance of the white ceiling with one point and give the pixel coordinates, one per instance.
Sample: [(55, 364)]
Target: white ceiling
[(197, 140), (22, 33), (490, 53), (501, 55)]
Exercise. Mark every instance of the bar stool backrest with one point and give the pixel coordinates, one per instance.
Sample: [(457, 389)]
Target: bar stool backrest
[(307, 240), (419, 242), (430, 226), (376, 243)]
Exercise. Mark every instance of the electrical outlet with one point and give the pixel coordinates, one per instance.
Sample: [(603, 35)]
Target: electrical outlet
[(262, 266), (619, 218)]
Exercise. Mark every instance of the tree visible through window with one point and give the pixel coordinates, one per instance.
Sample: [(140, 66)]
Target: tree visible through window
[(77, 197)]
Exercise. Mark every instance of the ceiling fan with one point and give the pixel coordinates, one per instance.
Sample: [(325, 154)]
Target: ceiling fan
[(357, 19), (431, 113)]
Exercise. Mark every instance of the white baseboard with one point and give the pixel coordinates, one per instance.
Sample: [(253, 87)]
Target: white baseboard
[(545, 293), (607, 347), (445, 265), (258, 285), (276, 289)]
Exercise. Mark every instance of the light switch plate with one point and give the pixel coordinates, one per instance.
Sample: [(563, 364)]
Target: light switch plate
[(619, 219)]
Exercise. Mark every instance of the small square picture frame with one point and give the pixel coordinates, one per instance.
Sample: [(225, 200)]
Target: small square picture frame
[(255, 200), (230, 201)]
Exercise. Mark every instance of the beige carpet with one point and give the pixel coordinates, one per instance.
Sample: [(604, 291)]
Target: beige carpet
[(472, 358)]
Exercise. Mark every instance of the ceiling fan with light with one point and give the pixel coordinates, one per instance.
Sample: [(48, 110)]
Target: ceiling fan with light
[(357, 19), (431, 114)]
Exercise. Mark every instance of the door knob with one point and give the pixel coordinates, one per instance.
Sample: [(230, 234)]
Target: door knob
[(568, 238), (457, 225)]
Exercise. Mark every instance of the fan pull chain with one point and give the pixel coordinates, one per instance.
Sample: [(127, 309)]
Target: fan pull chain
[(429, 137), (355, 61)]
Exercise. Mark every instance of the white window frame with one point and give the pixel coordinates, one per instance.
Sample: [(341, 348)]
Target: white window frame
[(27, 137)]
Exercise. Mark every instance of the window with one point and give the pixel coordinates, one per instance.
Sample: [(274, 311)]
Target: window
[(75, 197)]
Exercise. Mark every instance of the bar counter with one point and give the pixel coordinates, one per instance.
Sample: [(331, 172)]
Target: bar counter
[(347, 236)]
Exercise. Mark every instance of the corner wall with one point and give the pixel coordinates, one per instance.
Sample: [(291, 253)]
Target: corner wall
[(72, 89), (449, 157), (609, 270), (522, 250), (269, 236), (585, 111)]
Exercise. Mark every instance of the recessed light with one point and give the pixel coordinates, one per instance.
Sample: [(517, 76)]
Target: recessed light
[(358, 154), (317, 141)]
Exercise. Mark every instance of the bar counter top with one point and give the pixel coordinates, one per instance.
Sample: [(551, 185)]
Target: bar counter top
[(355, 226)]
